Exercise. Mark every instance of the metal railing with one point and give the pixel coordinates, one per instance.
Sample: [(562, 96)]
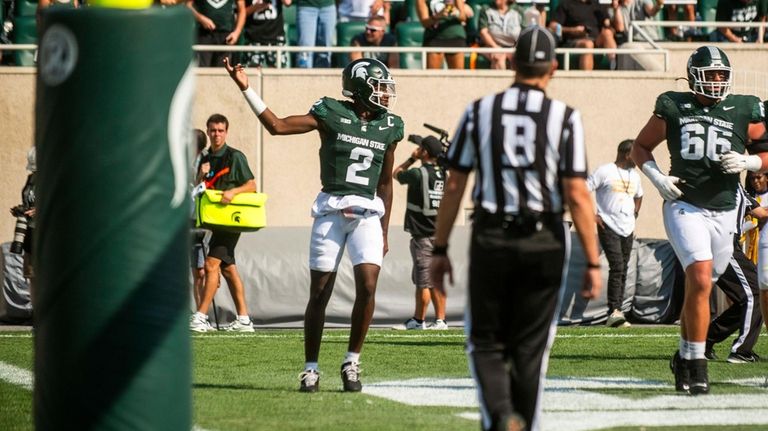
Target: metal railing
[(567, 52)]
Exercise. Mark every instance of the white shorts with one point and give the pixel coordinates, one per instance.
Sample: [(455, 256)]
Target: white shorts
[(699, 234), (330, 232)]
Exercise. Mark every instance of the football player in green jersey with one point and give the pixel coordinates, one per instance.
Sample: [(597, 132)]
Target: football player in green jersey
[(707, 130), (358, 140)]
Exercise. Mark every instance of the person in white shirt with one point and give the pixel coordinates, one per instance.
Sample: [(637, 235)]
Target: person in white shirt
[(619, 195)]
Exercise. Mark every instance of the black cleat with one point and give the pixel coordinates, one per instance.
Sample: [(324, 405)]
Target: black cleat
[(699, 382), (710, 354), (350, 376), (680, 370), (743, 357), (310, 381)]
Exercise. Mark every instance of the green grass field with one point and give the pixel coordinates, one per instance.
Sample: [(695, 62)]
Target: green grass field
[(250, 382)]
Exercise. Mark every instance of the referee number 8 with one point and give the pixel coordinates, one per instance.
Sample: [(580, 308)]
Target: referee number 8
[(519, 139), (696, 140)]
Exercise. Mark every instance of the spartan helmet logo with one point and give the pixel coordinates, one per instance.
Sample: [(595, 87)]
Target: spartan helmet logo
[(359, 70)]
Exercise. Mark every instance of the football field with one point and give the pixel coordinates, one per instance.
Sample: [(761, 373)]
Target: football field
[(598, 378)]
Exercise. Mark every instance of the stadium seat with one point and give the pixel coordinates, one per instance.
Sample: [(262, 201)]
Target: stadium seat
[(410, 34), (25, 8), (289, 25), (411, 14), (345, 32), (25, 31)]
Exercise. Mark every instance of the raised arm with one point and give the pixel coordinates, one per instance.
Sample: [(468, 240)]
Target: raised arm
[(291, 125)]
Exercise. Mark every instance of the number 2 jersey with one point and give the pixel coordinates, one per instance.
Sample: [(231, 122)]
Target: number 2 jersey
[(696, 138), (352, 150)]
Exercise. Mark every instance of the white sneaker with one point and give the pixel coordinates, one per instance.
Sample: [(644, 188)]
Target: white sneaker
[(616, 319), (438, 325), (236, 326), (411, 324), (199, 324)]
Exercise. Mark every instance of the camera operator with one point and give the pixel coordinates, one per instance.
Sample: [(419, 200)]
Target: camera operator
[(25, 219), (425, 191)]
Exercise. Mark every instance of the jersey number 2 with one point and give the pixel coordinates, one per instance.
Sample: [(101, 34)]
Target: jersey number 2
[(693, 145), (359, 153)]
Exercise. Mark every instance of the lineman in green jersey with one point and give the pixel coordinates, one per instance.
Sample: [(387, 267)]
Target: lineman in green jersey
[(707, 131), (357, 145)]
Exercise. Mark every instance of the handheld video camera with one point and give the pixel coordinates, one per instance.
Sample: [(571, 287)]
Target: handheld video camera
[(20, 230), (443, 138)]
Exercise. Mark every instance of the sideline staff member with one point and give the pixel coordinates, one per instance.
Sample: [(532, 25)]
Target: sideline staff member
[(519, 240)]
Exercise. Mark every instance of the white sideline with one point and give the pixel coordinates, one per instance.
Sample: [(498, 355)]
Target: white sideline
[(24, 378)]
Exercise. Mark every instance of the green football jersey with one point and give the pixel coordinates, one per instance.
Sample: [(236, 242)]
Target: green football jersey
[(698, 135), (352, 150)]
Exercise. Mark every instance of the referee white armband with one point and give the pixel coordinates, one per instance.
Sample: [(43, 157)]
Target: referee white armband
[(257, 105)]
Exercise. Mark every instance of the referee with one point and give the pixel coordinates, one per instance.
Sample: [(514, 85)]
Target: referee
[(530, 159)]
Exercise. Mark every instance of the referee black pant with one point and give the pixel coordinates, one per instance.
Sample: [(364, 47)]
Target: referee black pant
[(514, 285), (739, 283)]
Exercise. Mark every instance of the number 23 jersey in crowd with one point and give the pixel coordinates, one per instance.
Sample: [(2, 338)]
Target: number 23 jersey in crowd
[(696, 138), (352, 150)]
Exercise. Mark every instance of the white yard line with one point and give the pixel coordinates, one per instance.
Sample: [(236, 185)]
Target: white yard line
[(16, 376), (576, 403)]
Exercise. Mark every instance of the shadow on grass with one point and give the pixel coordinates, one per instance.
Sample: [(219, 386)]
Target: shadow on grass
[(609, 357)]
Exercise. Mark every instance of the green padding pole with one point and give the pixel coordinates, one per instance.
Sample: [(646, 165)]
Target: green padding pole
[(114, 90)]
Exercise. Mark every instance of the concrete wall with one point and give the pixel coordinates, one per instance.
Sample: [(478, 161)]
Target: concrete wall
[(615, 105)]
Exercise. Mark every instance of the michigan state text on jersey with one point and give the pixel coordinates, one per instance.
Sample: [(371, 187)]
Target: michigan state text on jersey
[(352, 149), (698, 135)]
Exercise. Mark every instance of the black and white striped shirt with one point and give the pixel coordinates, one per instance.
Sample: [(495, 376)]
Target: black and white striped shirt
[(521, 143)]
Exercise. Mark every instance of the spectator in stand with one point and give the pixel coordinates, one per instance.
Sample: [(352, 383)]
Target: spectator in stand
[(217, 25), (677, 34), (634, 10), (375, 34), (361, 10), (499, 25), (584, 24), (443, 22), (316, 25), (739, 11), (264, 27)]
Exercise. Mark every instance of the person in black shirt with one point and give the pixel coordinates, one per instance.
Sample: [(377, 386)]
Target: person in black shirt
[(530, 160), (264, 27), (376, 35), (425, 191)]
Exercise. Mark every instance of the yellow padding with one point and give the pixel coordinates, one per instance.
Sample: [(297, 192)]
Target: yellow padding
[(246, 212)]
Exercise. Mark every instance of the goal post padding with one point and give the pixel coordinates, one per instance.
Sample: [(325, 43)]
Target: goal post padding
[(113, 99)]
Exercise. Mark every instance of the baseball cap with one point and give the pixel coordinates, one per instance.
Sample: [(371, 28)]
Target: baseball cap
[(432, 145), (535, 45)]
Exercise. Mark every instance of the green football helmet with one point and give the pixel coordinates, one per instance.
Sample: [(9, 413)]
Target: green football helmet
[(369, 82), (710, 73)]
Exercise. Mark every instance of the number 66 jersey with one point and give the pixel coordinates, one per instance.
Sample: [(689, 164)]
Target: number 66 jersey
[(698, 135), (352, 150)]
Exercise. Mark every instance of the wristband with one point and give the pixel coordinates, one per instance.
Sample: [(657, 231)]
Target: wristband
[(440, 250), (257, 105), (591, 265)]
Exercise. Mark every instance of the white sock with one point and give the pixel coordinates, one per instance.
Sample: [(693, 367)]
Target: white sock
[(200, 316), (696, 349), (684, 350), (352, 357), (244, 319), (310, 366)]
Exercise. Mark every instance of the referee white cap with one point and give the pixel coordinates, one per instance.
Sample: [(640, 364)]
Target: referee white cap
[(535, 45)]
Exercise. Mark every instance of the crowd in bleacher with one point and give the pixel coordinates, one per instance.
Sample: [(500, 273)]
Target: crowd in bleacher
[(416, 23)]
